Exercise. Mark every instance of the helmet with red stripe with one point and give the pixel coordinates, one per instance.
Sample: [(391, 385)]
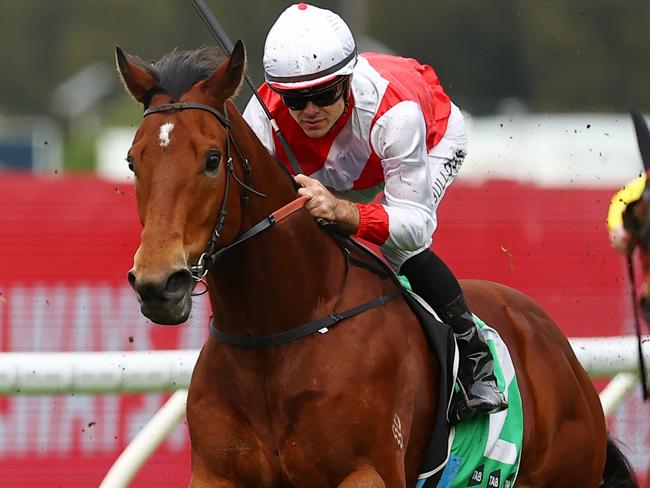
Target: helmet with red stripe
[(306, 47)]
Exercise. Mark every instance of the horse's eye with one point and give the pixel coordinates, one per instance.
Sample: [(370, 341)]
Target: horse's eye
[(129, 159), (212, 161)]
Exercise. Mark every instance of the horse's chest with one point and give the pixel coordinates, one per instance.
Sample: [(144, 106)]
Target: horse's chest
[(304, 416), (299, 425), (303, 442)]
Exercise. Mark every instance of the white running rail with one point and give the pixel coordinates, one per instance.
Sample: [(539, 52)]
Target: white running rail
[(145, 443), (27, 373), (45, 373)]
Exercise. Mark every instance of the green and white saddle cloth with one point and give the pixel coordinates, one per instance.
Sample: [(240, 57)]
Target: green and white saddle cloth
[(486, 449)]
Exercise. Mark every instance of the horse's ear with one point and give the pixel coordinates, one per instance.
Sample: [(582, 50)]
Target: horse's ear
[(137, 80), (642, 137), (227, 78)]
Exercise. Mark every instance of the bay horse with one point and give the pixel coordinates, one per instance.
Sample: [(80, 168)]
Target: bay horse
[(321, 410)]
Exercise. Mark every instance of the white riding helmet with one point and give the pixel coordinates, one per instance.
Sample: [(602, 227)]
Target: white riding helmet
[(307, 46)]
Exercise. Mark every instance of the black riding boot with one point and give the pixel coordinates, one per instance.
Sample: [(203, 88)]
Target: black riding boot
[(476, 368), (432, 280)]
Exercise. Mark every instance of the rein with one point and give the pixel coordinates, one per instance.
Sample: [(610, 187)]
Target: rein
[(207, 260), (323, 324), (320, 325)]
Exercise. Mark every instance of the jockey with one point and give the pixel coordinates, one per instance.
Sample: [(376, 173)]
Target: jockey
[(619, 237), (360, 124)]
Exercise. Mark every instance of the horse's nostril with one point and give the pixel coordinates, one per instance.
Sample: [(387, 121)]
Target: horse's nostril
[(174, 288), (178, 283), (148, 292), (131, 278)]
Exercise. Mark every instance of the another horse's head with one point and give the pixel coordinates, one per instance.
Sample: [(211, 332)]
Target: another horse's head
[(636, 216), (180, 158)]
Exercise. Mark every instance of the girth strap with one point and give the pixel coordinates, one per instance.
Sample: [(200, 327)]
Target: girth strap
[(301, 331)]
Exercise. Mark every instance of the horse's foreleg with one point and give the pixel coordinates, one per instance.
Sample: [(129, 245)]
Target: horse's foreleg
[(365, 477)]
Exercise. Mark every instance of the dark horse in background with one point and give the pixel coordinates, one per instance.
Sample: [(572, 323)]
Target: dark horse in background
[(319, 411), (636, 220)]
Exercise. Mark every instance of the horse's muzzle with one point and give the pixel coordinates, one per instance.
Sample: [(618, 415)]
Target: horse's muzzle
[(166, 301)]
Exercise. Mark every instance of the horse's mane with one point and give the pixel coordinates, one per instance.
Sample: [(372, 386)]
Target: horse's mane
[(177, 71)]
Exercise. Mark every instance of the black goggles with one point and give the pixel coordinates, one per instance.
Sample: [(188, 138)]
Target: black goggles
[(321, 98)]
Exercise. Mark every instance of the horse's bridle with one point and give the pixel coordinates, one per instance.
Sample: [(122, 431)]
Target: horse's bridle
[(211, 253)]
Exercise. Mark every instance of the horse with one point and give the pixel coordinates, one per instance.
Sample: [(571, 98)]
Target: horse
[(636, 221), (348, 404), (637, 224)]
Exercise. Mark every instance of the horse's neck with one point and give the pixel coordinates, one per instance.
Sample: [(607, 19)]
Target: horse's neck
[(282, 277), (277, 280)]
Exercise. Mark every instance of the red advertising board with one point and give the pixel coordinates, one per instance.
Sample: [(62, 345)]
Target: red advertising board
[(67, 243)]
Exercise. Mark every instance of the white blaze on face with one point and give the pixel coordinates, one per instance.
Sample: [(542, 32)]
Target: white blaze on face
[(165, 130)]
